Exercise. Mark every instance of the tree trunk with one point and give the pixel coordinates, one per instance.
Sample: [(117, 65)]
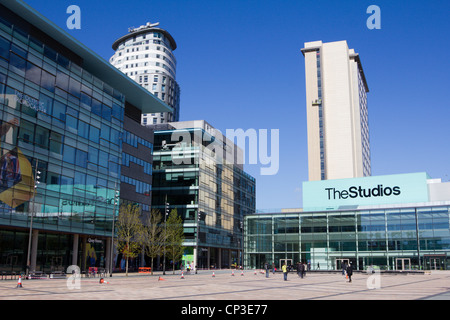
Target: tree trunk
[(151, 270)]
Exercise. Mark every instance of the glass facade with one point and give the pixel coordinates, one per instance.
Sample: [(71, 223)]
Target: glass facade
[(391, 238), (211, 197), (61, 130)]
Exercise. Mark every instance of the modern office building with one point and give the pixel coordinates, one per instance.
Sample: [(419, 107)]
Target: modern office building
[(337, 118), (199, 172), (145, 54), (69, 131), (395, 222)]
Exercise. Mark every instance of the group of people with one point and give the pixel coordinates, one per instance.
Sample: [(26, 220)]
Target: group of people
[(347, 270)]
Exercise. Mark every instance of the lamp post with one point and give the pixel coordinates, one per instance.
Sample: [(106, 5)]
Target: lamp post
[(165, 235), (35, 183), (116, 198)]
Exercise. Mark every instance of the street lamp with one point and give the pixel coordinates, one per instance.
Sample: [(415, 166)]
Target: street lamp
[(36, 182), (116, 199), (165, 235)]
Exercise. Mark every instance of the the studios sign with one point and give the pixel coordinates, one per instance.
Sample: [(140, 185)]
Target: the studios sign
[(367, 191)]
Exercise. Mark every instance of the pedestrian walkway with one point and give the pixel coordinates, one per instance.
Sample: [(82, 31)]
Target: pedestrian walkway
[(240, 286)]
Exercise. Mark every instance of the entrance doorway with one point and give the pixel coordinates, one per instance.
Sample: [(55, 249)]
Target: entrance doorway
[(341, 262), (402, 264), (435, 262), (287, 261)]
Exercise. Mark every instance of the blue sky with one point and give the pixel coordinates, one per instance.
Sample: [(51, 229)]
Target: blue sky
[(240, 66)]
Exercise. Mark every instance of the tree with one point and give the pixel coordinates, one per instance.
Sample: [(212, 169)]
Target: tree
[(153, 236), (174, 237), (129, 232)]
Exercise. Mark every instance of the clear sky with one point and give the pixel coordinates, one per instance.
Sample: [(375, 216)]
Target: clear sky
[(240, 66)]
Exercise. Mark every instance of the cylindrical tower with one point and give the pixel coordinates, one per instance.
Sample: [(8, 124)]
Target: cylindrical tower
[(145, 54)]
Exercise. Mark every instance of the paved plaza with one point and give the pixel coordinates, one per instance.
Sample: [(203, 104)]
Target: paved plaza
[(222, 285)]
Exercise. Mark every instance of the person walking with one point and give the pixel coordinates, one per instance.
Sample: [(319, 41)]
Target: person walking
[(266, 266), (302, 270), (349, 272), (284, 268), (298, 269)]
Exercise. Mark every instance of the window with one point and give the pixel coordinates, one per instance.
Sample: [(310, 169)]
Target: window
[(56, 143), (106, 112), (69, 154), (42, 137), (26, 132), (93, 155), (17, 64), (117, 111), (48, 81), (86, 101), (94, 134), (62, 80), (104, 132), (103, 159), (83, 129), (81, 158), (72, 123), (74, 88), (33, 73), (4, 48), (59, 111), (96, 107), (115, 136)]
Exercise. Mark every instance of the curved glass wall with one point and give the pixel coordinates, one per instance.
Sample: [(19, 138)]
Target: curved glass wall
[(60, 131)]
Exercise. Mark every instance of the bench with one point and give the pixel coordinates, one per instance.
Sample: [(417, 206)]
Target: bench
[(57, 275), (145, 269), (37, 275)]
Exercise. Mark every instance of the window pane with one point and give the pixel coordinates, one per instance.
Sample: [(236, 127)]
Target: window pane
[(42, 137), (56, 141), (59, 111), (4, 48), (48, 81), (104, 132), (96, 107), (62, 80), (83, 129), (86, 101), (26, 132), (69, 154), (93, 155), (72, 123), (106, 112), (81, 158), (74, 87), (94, 134), (33, 73), (17, 64)]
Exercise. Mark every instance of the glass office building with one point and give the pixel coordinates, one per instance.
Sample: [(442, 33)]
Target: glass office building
[(211, 195), (62, 125), (394, 234)]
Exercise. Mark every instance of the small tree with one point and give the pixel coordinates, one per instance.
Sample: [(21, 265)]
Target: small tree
[(153, 236), (174, 237), (129, 232)]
